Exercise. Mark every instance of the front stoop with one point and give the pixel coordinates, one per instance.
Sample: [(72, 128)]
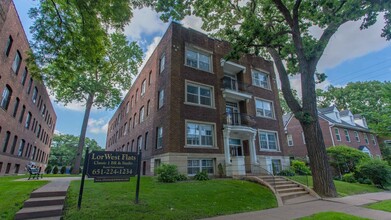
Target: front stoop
[(43, 205)]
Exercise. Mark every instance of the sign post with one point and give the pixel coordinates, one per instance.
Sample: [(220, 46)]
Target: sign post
[(138, 174), (82, 179)]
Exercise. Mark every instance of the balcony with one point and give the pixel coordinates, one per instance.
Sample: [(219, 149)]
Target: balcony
[(234, 90), (239, 119)]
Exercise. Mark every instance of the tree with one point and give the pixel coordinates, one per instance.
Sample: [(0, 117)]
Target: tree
[(371, 99), (284, 106), (81, 53), (64, 149), (281, 29)]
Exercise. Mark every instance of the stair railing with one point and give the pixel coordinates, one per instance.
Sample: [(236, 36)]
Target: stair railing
[(269, 174)]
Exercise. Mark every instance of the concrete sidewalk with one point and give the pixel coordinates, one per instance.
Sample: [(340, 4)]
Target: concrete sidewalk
[(350, 205)]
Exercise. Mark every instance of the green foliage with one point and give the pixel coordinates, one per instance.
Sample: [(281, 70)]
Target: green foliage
[(364, 181), (181, 177), (287, 172), (48, 169), (332, 215), (378, 171), (220, 170), (300, 168), (64, 149), (55, 170), (371, 99), (63, 169), (344, 159), (385, 153), (201, 176), (349, 177), (383, 205), (167, 173)]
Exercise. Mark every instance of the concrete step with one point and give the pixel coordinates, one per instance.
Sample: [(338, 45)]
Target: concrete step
[(288, 185), (47, 218), (289, 190), (278, 182), (271, 178), (291, 195), (38, 194), (39, 212), (44, 201)]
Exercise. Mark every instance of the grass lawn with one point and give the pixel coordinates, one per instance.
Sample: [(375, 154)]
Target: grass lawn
[(14, 193), (343, 188), (331, 216), (383, 205), (181, 200)]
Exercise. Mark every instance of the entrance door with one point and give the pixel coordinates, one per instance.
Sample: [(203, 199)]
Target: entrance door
[(232, 111), (235, 147), (276, 166)]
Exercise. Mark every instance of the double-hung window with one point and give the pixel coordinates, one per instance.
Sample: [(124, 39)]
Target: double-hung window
[(35, 94), (143, 87), (162, 63), (337, 135), (260, 79), (200, 95), (16, 63), (198, 59), (199, 134), (159, 137), (160, 98), (373, 139), (198, 165), (6, 97), (290, 140), (366, 138), (268, 140), (347, 135), (356, 136), (141, 115), (264, 108), (9, 45)]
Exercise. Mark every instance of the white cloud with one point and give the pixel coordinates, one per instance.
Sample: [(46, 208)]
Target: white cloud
[(193, 22), (97, 126), (145, 21)]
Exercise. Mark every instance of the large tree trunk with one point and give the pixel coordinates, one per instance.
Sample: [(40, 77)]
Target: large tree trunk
[(82, 137)]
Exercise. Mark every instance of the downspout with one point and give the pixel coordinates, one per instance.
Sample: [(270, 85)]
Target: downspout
[(331, 134)]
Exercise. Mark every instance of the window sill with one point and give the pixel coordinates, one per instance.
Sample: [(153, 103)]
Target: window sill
[(266, 150), (200, 147), (194, 104), (259, 116), (206, 71), (261, 87)]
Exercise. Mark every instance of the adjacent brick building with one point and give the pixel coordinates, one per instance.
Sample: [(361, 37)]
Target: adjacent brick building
[(338, 128), (27, 118), (192, 108)]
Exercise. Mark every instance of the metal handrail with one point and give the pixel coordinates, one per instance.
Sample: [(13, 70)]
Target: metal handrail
[(239, 86), (270, 174), (239, 119)]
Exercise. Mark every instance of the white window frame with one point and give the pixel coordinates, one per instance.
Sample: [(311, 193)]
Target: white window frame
[(200, 137), (199, 86), (17, 62), (159, 137), (6, 98), (263, 110), (141, 115), (198, 52), (162, 63), (256, 80), (373, 139), (289, 139), (35, 94), (200, 166), (347, 135), (357, 137), (337, 134), (143, 85), (268, 148), (366, 138), (160, 99)]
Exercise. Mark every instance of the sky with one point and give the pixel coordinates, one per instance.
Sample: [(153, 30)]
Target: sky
[(352, 55)]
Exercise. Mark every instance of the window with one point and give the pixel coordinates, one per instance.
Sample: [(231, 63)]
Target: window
[(9, 46), (141, 115), (235, 147), (143, 87), (127, 107), (268, 140), (134, 119), (16, 63), (337, 135), (200, 95), (198, 134), (162, 63), (260, 79), (39, 130), (14, 144), (139, 142), (125, 128), (303, 137), (24, 76), (22, 114), (264, 108), (289, 139), (6, 97), (43, 110), (148, 107), (135, 98), (198, 59), (347, 135), (366, 138), (16, 106), (198, 165), (30, 85), (28, 120), (161, 99), (35, 94), (159, 137), (356, 136), (146, 140), (6, 140), (149, 77), (373, 139)]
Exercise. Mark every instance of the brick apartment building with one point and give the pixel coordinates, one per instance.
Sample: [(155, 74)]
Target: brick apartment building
[(191, 108), (27, 118), (338, 128)]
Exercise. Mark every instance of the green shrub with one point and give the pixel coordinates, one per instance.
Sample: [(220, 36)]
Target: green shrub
[(48, 169), (55, 170), (378, 171), (349, 177), (344, 159), (287, 172), (364, 181), (167, 173), (63, 169), (181, 177), (201, 176), (300, 168)]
